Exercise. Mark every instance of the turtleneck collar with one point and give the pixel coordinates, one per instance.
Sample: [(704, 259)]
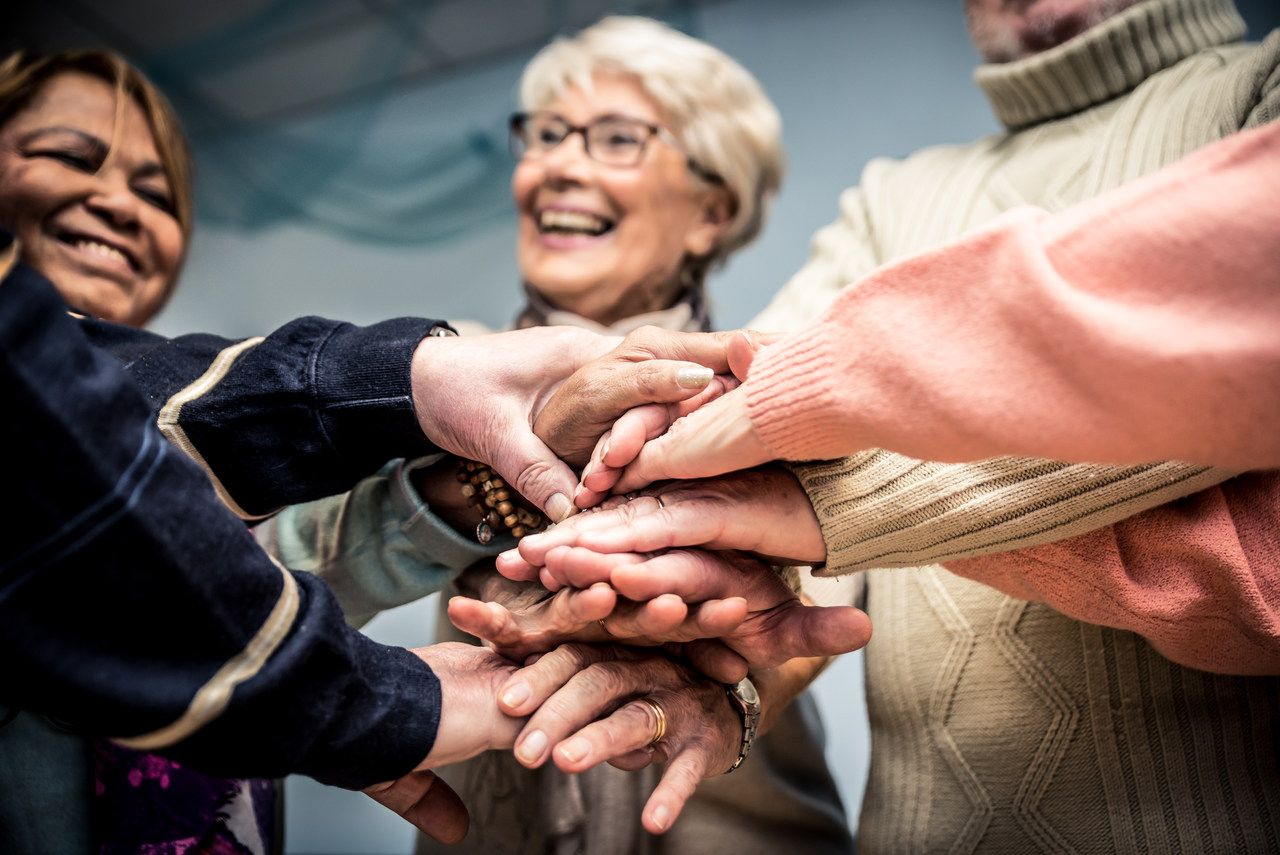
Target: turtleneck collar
[(1107, 60), (689, 314)]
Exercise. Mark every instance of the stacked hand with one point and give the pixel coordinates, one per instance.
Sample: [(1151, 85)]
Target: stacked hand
[(631, 617), (649, 444), (480, 397)]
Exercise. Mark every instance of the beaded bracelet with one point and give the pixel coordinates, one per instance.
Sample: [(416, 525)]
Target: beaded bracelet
[(488, 493)]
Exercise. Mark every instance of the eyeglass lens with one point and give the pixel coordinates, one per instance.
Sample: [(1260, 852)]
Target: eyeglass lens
[(610, 139)]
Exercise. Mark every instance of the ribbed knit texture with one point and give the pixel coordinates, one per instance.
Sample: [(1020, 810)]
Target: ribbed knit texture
[(1000, 725), (1085, 72)]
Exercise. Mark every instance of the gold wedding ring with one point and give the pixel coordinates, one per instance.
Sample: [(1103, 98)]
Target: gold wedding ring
[(660, 716), (605, 628)]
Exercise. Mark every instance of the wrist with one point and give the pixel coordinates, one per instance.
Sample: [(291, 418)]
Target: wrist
[(426, 361), (745, 700), (437, 486)]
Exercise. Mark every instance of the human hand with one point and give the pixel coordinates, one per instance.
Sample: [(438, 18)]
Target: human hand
[(668, 370), (470, 722), (761, 511), (589, 704), (428, 803), (480, 396), (777, 625), (726, 441), (519, 619)]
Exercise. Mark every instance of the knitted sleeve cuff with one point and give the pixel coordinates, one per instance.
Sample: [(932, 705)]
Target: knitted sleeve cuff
[(879, 509)]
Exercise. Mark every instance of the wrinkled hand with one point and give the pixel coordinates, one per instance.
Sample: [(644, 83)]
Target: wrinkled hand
[(777, 626), (481, 396), (584, 709), (470, 722), (428, 803), (649, 444), (761, 511), (519, 619), (650, 366), (477, 397)]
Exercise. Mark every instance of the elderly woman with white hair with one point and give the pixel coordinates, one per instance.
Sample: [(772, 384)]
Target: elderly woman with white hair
[(646, 158)]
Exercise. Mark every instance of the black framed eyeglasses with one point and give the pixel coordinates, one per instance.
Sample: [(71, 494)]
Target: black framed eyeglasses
[(611, 140)]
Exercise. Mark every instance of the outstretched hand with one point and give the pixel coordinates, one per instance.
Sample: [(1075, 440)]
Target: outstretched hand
[(519, 619), (470, 722), (675, 372), (761, 511), (481, 397), (649, 444), (716, 586), (592, 703)]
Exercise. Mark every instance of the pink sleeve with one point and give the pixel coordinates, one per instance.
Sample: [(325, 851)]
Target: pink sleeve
[(1141, 325), (1199, 578)]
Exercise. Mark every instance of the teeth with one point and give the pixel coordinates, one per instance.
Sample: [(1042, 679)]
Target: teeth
[(102, 249), (572, 221)]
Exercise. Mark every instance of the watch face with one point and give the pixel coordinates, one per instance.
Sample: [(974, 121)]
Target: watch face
[(746, 690)]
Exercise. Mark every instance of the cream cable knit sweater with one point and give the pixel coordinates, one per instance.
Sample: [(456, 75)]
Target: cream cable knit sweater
[(1002, 725)]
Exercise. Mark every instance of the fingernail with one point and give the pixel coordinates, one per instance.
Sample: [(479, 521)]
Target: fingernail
[(532, 746), (661, 816), (559, 508), (694, 377), (515, 696), (575, 750), (529, 539)]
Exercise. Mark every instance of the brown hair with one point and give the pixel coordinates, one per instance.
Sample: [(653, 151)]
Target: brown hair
[(23, 74)]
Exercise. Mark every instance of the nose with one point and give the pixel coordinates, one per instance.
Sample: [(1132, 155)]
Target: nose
[(569, 160), (113, 200)]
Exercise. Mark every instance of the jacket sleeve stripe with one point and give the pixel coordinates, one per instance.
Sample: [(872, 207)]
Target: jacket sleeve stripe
[(212, 698), (168, 420)]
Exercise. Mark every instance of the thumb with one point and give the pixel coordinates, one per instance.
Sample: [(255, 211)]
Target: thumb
[(741, 351), (537, 474)]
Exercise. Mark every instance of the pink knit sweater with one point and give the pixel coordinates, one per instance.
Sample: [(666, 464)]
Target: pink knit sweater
[(1144, 324), (1141, 325)]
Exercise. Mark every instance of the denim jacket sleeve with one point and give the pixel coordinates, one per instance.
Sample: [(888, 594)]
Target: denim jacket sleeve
[(134, 605)]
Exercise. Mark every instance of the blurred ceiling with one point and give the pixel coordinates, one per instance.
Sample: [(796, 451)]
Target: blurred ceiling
[(245, 63)]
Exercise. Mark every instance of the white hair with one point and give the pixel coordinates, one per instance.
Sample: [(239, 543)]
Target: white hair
[(714, 107)]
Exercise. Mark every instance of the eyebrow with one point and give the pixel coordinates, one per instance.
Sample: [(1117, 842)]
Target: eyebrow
[(98, 146)]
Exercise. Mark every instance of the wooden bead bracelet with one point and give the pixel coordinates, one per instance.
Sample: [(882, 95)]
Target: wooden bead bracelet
[(489, 494)]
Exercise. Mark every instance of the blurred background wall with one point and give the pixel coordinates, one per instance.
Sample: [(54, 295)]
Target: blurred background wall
[(352, 163)]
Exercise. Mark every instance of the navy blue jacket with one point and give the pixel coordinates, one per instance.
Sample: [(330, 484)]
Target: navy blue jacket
[(133, 603)]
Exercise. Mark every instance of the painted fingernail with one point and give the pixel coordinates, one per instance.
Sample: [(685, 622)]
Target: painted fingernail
[(575, 750), (515, 696), (532, 746), (559, 507), (694, 377), (661, 817)]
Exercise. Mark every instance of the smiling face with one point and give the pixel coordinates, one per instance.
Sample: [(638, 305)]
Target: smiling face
[(608, 242), (90, 202)]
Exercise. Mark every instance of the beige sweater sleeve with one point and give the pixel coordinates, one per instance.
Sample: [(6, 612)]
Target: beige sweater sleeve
[(879, 509)]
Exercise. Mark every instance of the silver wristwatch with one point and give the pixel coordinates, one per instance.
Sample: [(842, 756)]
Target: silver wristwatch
[(746, 700)]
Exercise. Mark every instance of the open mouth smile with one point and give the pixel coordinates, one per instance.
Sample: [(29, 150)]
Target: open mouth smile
[(97, 247), (572, 223)]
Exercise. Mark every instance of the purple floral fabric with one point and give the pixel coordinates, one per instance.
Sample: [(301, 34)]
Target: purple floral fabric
[(147, 805)]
